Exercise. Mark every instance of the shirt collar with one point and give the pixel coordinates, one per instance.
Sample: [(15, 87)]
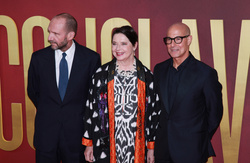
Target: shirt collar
[(69, 52), (183, 64)]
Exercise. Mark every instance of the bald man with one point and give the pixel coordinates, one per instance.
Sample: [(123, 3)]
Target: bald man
[(191, 102)]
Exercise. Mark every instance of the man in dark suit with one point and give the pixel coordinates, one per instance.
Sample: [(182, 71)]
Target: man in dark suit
[(191, 102), (58, 84)]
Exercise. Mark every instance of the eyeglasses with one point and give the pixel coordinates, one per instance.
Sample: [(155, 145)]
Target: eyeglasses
[(177, 40)]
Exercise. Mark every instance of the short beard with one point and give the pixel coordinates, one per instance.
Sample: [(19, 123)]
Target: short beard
[(61, 45)]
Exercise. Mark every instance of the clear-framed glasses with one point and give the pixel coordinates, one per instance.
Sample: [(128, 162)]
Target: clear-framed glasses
[(177, 39)]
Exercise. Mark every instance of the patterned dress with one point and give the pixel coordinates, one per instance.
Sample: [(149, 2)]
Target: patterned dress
[(125, 114)]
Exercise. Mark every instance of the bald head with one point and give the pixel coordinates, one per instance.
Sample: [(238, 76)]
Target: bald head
[(180, 28), (178, 41)]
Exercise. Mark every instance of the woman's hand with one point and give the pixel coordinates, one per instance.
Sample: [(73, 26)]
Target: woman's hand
[(88, 153), (150, 156)]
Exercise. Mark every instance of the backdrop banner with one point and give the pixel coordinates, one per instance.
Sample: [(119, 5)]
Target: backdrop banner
[(221, 39)]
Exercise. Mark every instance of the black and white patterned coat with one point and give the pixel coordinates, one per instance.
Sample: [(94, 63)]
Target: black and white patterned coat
[(96, 129)]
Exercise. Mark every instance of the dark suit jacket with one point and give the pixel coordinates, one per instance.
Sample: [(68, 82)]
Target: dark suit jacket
[(54, 115), (185, 130)]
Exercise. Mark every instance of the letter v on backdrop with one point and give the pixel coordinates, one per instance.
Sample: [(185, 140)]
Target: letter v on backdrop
[(230, 140)]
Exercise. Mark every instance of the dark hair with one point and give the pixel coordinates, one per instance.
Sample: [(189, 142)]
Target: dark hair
[(71, 23), (129, 32)]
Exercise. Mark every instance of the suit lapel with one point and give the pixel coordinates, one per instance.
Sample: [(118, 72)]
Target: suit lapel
[(164, 86), (52, 74), (73, 73)]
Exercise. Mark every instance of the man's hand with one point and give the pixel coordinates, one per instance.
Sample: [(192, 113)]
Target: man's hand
[(88, 153)]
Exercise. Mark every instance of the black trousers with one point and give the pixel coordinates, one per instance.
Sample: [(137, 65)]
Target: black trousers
[(61, 155)]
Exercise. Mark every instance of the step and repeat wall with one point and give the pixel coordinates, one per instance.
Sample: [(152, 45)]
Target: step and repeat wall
[(221, 39)]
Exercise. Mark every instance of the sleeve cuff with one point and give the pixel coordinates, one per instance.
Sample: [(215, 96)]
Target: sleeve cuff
[(151, 145), (87, 142)]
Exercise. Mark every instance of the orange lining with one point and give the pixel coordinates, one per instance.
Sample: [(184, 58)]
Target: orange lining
[(140, 138), (87, 142), (111, 107), (151, 145)]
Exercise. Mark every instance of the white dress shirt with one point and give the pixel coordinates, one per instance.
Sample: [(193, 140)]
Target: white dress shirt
[(69, 58)]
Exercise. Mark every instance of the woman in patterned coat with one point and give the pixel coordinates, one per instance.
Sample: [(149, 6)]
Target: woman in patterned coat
[(121, 116)]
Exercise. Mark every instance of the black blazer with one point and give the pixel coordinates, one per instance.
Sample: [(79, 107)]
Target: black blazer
[(186, 129), (54, 115)]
